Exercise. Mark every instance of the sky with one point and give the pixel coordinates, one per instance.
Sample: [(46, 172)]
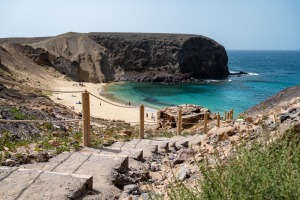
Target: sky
[(236, 24)]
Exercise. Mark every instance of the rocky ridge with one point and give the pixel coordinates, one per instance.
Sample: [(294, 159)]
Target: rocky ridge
[(145, 57)]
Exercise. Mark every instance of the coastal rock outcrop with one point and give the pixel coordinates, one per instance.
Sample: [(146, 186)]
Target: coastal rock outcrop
[(145, 57), (191, 114)]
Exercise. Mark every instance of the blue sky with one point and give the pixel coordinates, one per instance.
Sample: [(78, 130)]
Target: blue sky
[(236, 24)]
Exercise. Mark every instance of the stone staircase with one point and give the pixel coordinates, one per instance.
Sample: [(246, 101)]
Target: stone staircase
[(86, 174)]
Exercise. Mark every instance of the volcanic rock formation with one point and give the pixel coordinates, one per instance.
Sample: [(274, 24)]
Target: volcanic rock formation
[(104, 57)]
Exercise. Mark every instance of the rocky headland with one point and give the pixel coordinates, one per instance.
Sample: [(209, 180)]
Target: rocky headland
[(105, 57)]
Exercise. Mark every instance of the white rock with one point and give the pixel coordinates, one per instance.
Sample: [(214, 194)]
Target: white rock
[(295, 100), (10, 162)]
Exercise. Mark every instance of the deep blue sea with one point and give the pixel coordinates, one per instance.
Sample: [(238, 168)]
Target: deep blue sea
[(269, 72)]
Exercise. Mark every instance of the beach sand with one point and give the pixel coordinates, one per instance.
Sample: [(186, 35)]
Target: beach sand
[(104, 111)]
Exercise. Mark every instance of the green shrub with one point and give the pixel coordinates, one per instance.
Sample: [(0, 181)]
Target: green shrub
[(262, 172), (6, 141)]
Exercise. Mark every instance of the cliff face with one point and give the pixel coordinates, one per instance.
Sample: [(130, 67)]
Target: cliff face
[(163, 57), (102, 57), (44, 58), (202, 57)]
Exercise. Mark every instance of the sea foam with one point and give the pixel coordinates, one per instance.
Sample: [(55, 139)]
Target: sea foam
[(253, 74)]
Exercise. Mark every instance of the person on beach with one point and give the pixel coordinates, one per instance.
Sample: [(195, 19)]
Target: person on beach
[(100, 103), (146, 115), (129, 103)]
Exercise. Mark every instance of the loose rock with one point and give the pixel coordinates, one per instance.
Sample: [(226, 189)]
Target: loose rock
[(131, 189)]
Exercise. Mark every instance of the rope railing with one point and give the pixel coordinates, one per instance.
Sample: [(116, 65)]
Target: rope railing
[(190, 123), (123, 122), (112, 103)]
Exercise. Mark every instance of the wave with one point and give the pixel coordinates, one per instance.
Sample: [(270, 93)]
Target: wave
[(253, 74), (243, 73), (213, 81), (229, 80)]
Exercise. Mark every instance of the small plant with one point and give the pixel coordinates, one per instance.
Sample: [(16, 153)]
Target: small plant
[(45, 144), (37, 149), (47, 126), (96, 143), (17, 114), (242, 116), (62, 148), (77, 136), (6, 155)]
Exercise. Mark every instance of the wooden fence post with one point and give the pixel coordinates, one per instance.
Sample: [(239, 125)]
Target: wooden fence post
[(218, 120), (205, 123), (142, 121), (232, 114), (225, 115), (179, 122), (86, 118), (228, 115)]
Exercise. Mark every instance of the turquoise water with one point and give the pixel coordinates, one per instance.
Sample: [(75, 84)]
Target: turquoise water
[(270, 72)]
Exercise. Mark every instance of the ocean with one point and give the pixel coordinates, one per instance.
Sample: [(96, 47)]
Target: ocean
[(269, 72)]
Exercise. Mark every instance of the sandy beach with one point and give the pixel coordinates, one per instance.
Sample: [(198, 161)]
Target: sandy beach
[(98, 108)]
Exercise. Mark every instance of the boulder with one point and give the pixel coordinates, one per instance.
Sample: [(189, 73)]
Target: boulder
[(186, 154), (183, 173), (131, 189), (212, 131), (249, 120), (295, 100), (225, 132), (10, 162)]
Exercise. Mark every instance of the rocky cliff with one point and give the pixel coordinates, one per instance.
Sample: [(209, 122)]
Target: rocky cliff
[(103, 57)]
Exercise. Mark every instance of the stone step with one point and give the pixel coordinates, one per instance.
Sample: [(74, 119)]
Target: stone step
[(19, 183), (179, 141), (149, 146), (104, 169), (136, 154)]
